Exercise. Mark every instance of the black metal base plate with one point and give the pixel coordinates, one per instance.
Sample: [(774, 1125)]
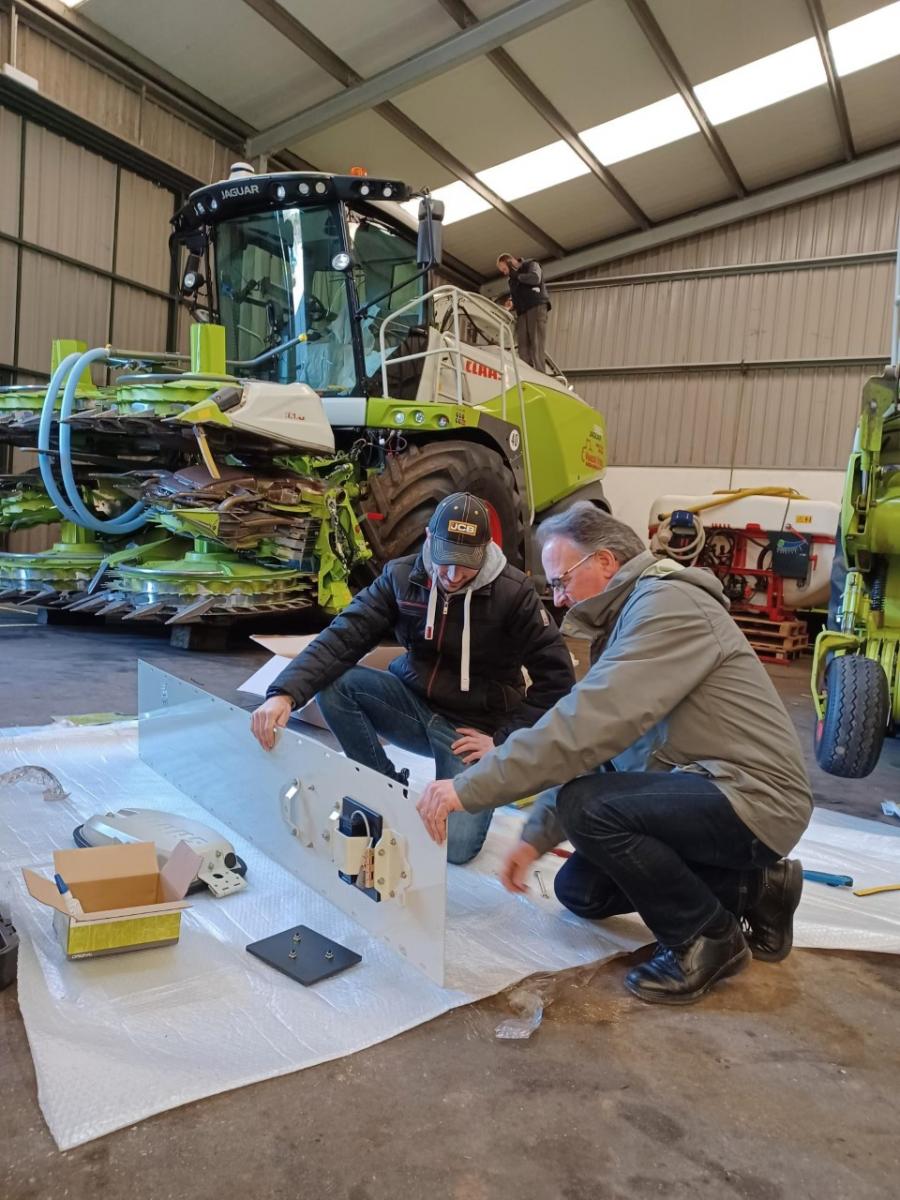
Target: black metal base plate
[(310, 966)]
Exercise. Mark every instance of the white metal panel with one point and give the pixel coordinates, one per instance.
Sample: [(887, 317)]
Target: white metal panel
[(576, 213), (369, 141), (10, 146), (593, 63), (478, 241), (142, 240), (870, 98), (785, 139), (674, 179), (373, 38), (70, 198), (58, 301), (204, 746), (223, 49), (477, 115), (711, 37)]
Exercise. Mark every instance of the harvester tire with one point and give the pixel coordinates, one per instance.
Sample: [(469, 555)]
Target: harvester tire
[(403, 496), (857, 706)]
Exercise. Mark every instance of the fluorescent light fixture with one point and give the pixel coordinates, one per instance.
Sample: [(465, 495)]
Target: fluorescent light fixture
[(459, 202), (644, 129), (775, 77), (73, 3), (533, 172), (867, 40)]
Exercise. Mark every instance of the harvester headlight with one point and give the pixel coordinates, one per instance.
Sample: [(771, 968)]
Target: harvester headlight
[(419, 417), (280, 192), (399, 417), (364, 189), (320, 187), (443, 421), (341, 261), (387, 191), (200, 209), (303, 188), (213, 205)]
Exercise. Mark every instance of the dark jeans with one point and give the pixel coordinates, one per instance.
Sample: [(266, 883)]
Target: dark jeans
[(665, 845), (365, 704)]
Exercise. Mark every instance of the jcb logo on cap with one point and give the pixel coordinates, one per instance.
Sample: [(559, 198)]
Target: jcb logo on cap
[(464, 527)]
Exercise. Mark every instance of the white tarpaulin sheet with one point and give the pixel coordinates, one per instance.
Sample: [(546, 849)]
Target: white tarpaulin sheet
[(117, 1039)]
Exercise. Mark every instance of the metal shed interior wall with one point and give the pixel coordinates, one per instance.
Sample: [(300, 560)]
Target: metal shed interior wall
[(670, 346)]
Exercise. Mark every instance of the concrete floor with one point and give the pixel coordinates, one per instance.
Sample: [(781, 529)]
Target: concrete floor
[(781, 1085)]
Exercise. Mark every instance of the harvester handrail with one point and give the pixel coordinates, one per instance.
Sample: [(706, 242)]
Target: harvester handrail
[(505, 345)]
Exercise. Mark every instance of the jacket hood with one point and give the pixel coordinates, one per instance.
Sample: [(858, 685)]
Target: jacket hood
[(492, 566), (599, 613)]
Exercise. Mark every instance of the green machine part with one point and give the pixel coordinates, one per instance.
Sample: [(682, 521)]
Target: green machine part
[(869, 615)]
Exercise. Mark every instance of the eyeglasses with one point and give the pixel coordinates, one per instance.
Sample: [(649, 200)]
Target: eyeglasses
[(561, 582)]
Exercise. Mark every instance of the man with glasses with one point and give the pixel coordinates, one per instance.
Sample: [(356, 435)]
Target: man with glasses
[(673, 766)]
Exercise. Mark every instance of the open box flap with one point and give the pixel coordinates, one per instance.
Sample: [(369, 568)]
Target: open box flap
[(179, 873)]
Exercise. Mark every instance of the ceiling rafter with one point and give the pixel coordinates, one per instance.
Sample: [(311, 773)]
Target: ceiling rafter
[(305, 40), (650, 27), (817, 16), (529, 91)]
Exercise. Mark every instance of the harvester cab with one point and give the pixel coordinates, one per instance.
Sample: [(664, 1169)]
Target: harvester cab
[(332, 397)]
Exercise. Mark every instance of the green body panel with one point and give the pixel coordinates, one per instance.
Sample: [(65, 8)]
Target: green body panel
[(870, 531), (563, 438)]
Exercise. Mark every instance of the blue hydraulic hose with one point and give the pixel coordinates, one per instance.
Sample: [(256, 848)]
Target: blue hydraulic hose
[(127, 522), (45, 463)]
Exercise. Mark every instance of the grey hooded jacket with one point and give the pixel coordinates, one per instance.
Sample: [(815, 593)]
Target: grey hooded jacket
[(674, 685)]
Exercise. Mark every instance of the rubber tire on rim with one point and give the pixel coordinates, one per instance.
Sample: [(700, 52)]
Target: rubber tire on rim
[(412, 484), (857, 707)]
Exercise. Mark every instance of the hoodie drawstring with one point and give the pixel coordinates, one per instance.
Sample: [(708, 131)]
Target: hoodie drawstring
[(466, 656)]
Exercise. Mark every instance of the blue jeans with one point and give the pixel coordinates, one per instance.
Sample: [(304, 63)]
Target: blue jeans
[(668, 846), (365, 704)]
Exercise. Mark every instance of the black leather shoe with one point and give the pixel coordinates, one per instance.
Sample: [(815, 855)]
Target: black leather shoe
[(684, 975), (770, 922)]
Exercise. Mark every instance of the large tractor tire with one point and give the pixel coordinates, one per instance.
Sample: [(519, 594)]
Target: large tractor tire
[(403, 496), (857, 706)]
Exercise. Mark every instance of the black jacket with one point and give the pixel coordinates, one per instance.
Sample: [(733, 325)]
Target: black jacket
[(527, 287), (509, 627)]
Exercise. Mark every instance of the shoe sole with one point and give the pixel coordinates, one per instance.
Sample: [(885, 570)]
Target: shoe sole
[(732, 967), (793, 892)]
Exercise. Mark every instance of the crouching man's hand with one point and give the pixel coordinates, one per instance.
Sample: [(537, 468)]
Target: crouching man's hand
[(438, 800), (515, 869), (268, 717), (471, 745)]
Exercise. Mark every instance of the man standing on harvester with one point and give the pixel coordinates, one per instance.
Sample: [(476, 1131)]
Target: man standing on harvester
[(469, 622), (531, 303)]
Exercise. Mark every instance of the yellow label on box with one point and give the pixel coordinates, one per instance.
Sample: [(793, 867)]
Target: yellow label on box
[(104, 937)]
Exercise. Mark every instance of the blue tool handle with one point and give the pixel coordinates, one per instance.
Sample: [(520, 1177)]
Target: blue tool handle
[(830, 880)]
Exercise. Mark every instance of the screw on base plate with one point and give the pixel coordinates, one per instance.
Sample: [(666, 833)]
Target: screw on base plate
[(329, 954), (292, 954)]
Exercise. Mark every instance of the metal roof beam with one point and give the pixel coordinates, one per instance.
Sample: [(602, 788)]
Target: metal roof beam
[(817, 17), (325, 58), (650, 26), (806, 187), (529, 91), (453, 52)]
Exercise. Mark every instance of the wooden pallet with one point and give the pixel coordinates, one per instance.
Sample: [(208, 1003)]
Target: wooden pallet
[(774, 641)]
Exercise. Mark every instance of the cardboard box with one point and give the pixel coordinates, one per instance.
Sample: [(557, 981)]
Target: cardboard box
[(128, 903), (284, 648)]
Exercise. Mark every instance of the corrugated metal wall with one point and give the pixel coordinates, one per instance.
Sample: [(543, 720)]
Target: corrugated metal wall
[(671, 345)]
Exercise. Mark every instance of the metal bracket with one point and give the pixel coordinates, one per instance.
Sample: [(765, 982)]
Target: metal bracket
[(384, 866), (295, 811), (219, 879)]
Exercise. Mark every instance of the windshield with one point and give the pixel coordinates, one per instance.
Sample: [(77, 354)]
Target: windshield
[(275, 282), (384, 259)]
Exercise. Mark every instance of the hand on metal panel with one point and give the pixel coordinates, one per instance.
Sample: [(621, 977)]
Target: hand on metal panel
[(268, 717), (438, 800)]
